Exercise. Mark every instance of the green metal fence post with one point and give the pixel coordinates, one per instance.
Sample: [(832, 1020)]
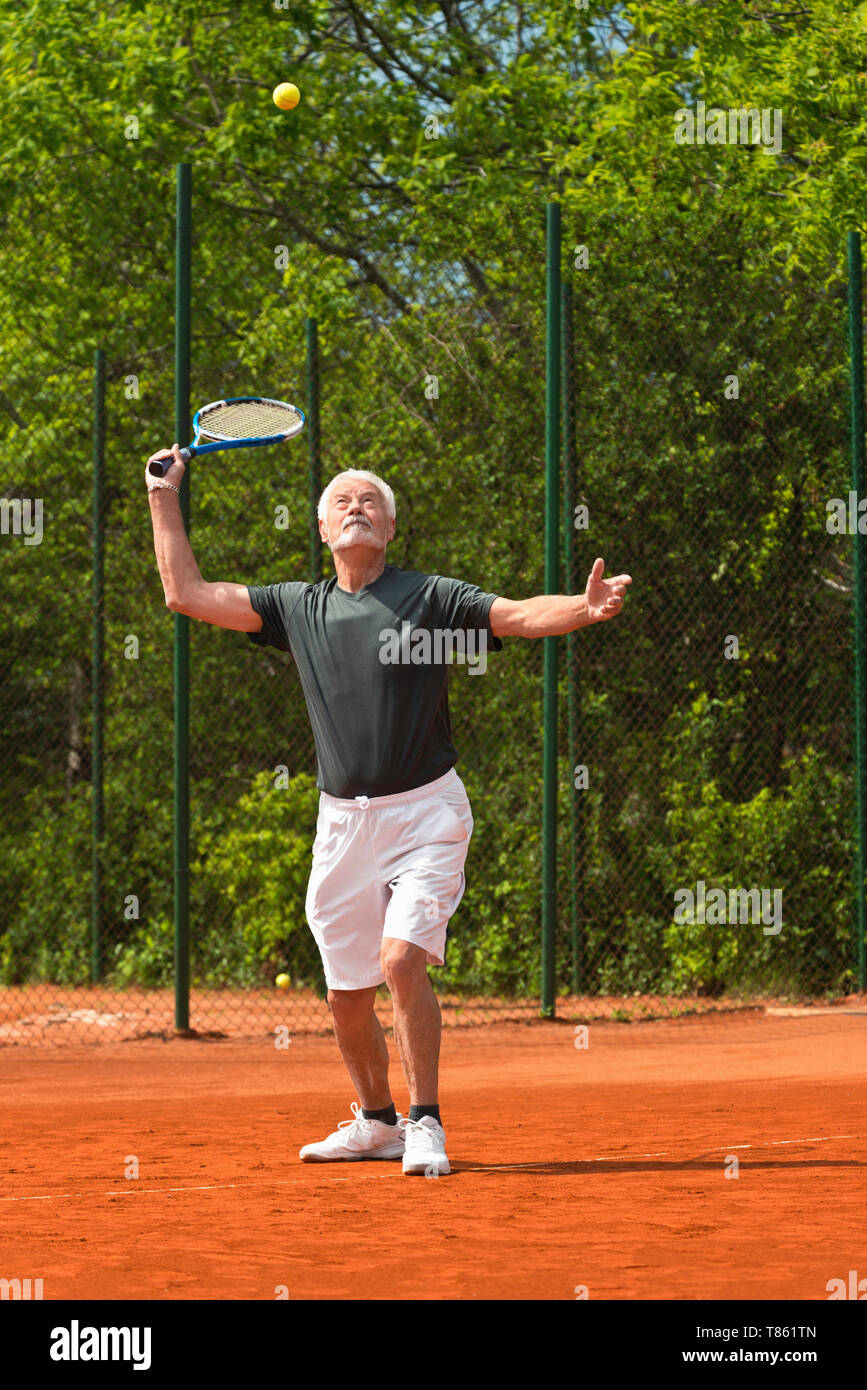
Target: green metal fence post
[(856, 377), (98, 666), (315, 463), (552, 584), (182, 622), (571, 560)]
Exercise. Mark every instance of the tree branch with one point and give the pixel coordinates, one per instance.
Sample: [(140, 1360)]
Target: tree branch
[(331, 248)]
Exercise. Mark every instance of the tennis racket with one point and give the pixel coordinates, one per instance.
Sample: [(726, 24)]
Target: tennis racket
[(244, 422)]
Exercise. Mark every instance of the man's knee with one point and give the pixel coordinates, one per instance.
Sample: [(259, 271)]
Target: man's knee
[(351, 1008), (403, 964)]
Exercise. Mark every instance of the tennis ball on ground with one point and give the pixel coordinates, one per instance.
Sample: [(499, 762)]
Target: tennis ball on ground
[(286, 96), (282, 982)]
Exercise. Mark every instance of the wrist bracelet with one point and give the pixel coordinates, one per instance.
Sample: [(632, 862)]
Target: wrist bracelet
[(171, 487)]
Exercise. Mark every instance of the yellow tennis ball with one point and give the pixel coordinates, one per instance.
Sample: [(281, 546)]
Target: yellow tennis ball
[(286, 96), (282, 982)]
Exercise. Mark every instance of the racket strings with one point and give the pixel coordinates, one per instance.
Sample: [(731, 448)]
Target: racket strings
[(248, 420)]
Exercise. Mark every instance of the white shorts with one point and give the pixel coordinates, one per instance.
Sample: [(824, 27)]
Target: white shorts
[(386, 866)]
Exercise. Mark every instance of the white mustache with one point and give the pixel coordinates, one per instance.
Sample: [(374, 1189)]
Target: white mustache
[(357, 521)]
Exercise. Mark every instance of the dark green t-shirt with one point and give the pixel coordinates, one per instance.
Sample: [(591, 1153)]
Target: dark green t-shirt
[(374, 672)]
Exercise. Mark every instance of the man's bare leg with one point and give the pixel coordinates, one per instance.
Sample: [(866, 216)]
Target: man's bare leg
[(417, 1018), (362, 1044)]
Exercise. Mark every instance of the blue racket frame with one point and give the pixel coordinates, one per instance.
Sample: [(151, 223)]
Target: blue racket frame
[(217, 445)]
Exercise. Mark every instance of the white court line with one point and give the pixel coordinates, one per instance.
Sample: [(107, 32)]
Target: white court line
[(727, 1148), (134, 1191), (661, 1153), (823, 1140)]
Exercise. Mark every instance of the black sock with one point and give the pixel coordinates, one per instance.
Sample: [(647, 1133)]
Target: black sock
[(388, 1116), (416, 1112)]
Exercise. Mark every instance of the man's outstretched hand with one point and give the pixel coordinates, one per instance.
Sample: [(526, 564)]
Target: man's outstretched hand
[(604, 596)]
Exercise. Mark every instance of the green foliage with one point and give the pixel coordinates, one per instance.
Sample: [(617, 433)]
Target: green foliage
[(47, 894), (493, 938), (249, 885), (759, 843)]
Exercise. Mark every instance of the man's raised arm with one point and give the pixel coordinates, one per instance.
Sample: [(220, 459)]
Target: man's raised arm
[(550, 615), (225, 605)]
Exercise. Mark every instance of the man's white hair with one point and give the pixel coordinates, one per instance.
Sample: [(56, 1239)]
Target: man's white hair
[(387, 494)]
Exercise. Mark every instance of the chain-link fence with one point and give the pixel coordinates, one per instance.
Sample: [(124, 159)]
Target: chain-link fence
[(705, 733), (713, 730)]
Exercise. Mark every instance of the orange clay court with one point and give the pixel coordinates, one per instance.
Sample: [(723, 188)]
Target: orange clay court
[(602, 1167)]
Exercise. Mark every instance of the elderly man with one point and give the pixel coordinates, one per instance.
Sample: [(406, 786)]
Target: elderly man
[(394, 820)]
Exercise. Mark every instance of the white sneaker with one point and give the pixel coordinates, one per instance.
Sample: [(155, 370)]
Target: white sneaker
[(425, 1150), (356, 1139)]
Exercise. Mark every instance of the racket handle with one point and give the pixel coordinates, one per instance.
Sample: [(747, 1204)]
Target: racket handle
[(160, 466)]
